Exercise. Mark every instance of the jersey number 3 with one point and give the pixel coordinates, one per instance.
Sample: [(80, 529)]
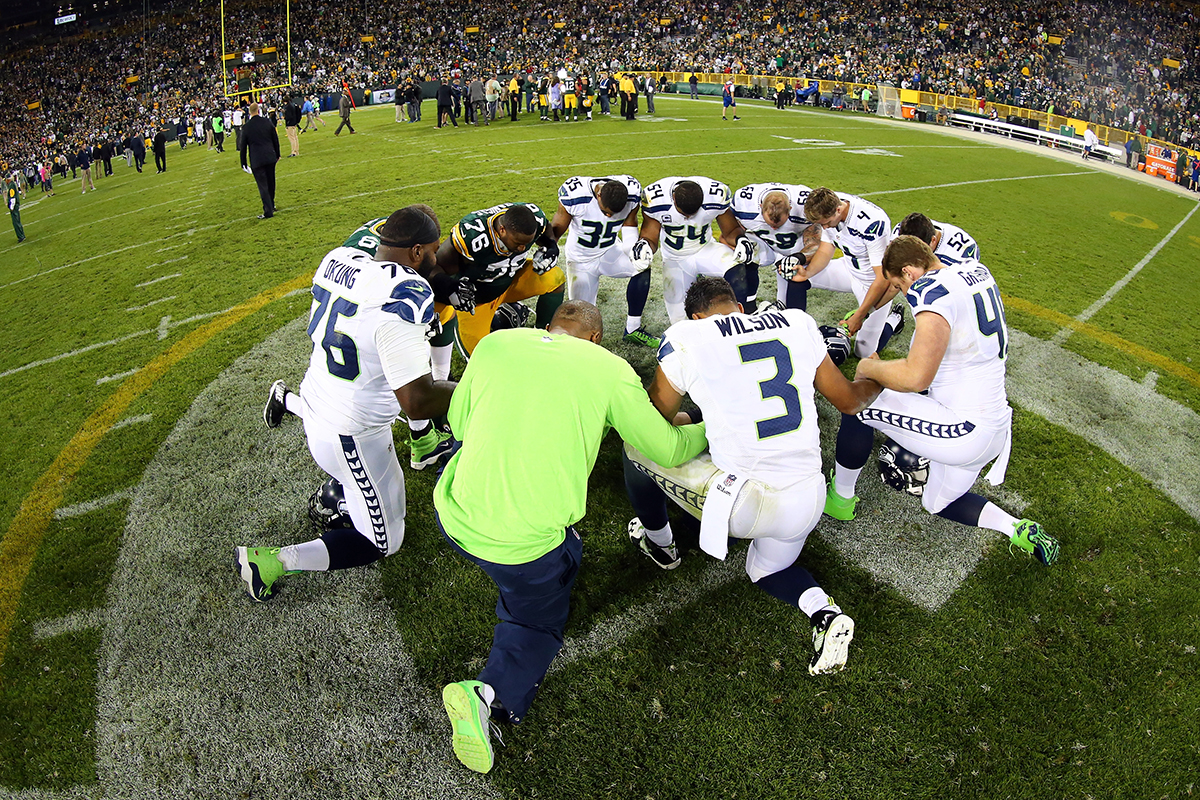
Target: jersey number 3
[(346, 367), (777, 386)]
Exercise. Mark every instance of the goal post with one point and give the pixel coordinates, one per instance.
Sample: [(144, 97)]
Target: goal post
[(888, 104), (243, 64)]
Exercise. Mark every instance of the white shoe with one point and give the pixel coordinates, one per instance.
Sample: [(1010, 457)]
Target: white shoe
[(831, 642)]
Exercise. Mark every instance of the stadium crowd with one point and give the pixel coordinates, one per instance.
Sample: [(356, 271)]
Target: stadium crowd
[(114, 80)]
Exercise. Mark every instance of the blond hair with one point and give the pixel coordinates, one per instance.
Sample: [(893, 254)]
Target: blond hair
[(906, 251), (775, 207), (821, 204)]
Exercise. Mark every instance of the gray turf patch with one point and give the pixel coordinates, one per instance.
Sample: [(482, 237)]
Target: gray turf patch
[(203, 693)]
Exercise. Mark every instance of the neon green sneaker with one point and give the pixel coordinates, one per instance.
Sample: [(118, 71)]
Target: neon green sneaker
[(642, 336), (1032, 539), (469, 715), (837, 506), (429, 448), (259, 568)]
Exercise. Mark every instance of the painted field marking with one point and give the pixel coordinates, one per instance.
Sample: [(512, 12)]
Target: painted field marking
[(172, 247), (151, 303), (158, 280), (971, 183), (79, 509), (24, 535), (169, 260), (117, 377), (138, 420), (1091, 310), (71, 623)]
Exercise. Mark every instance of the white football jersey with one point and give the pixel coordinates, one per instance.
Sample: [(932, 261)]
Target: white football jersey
[(955, 246), (353, 296), (786, 239), (970, 379), (752, 376), (591, 232), (863, 237), (684, 236)]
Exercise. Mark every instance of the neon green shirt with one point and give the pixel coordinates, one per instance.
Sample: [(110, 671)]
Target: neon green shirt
[(531, 410)]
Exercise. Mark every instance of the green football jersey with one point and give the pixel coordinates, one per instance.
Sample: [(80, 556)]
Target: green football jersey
[(366, 238), (486, 261)]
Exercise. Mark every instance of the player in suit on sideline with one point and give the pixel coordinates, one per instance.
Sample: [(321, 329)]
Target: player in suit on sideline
[(260, 148)]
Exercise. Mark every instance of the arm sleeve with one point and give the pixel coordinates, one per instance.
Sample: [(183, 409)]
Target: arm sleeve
[(640, 424), (403, 351)]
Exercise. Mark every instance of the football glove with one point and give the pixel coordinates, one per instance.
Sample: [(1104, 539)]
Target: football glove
[(463, 296), (744, 251), (545, 259), (641, 254), (790, 266)]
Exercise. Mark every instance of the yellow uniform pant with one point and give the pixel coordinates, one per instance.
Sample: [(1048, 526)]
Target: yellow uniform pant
[(474, 326)]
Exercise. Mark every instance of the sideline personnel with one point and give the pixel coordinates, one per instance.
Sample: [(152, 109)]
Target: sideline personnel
[(494, 514), (260, 143)]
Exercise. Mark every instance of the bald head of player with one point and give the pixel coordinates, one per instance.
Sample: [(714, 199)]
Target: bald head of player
[(580, 319), (410, 237), (906, 259), (710, 296)]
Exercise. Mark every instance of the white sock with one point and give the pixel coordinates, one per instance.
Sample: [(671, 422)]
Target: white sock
[(292, 402), (675, 312), (844, 480), (997, 519), (815, 599), (489, 694), (308, 557), (441, 361), (661, 536), (417, 426), (632, 324)]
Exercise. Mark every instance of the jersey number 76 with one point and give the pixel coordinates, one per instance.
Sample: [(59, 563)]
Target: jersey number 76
[(346, 367)]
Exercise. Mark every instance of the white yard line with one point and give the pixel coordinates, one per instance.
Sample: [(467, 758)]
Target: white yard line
[(138, 420), (168, 261), (158, 280), (971, 183), (79, 509), (151, 303), (1091, 310), (71, 623), (118, 376)]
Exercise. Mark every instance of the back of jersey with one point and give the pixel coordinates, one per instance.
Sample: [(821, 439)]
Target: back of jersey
[(752, 376), (970, 379), (353, 295), (785, 240)]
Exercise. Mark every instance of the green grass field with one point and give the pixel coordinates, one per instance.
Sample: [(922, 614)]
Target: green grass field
[(146, 320)]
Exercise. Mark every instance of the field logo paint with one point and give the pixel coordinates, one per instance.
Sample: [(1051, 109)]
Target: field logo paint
[(810, 142), (1136, 220), (874, 151)]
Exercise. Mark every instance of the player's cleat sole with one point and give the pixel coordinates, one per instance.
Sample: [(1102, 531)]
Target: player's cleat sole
[(259, 568), (642, 337), (895, 318), (837, 506), (430, 448), (1033, 540), (832, 644), (276, 407), (469, 715), (663, 557)]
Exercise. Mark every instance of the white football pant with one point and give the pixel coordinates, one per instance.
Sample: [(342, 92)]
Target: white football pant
[(956, 447), (370, 474), (777, 521), (680, 272), (583, 277)]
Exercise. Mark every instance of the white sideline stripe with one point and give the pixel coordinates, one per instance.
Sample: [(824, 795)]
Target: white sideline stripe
[(1091, 310), (172, 247), (79, 509), (158, 280), (169, 260), (164, 327), (138, 420), (76, 621), (151, 303), (970, 183), (118, 376)]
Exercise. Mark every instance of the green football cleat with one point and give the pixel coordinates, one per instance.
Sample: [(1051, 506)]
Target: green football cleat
[(427, 449), (642, 337), (469, 716), (1032, 539), (837, 506), (259, 567)]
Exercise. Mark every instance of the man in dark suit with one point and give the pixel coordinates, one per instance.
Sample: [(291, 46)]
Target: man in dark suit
[(160, 151), (260, 143), (138, 144)]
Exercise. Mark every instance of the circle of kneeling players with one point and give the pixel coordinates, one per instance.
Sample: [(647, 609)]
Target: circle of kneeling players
[(383, 339)]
